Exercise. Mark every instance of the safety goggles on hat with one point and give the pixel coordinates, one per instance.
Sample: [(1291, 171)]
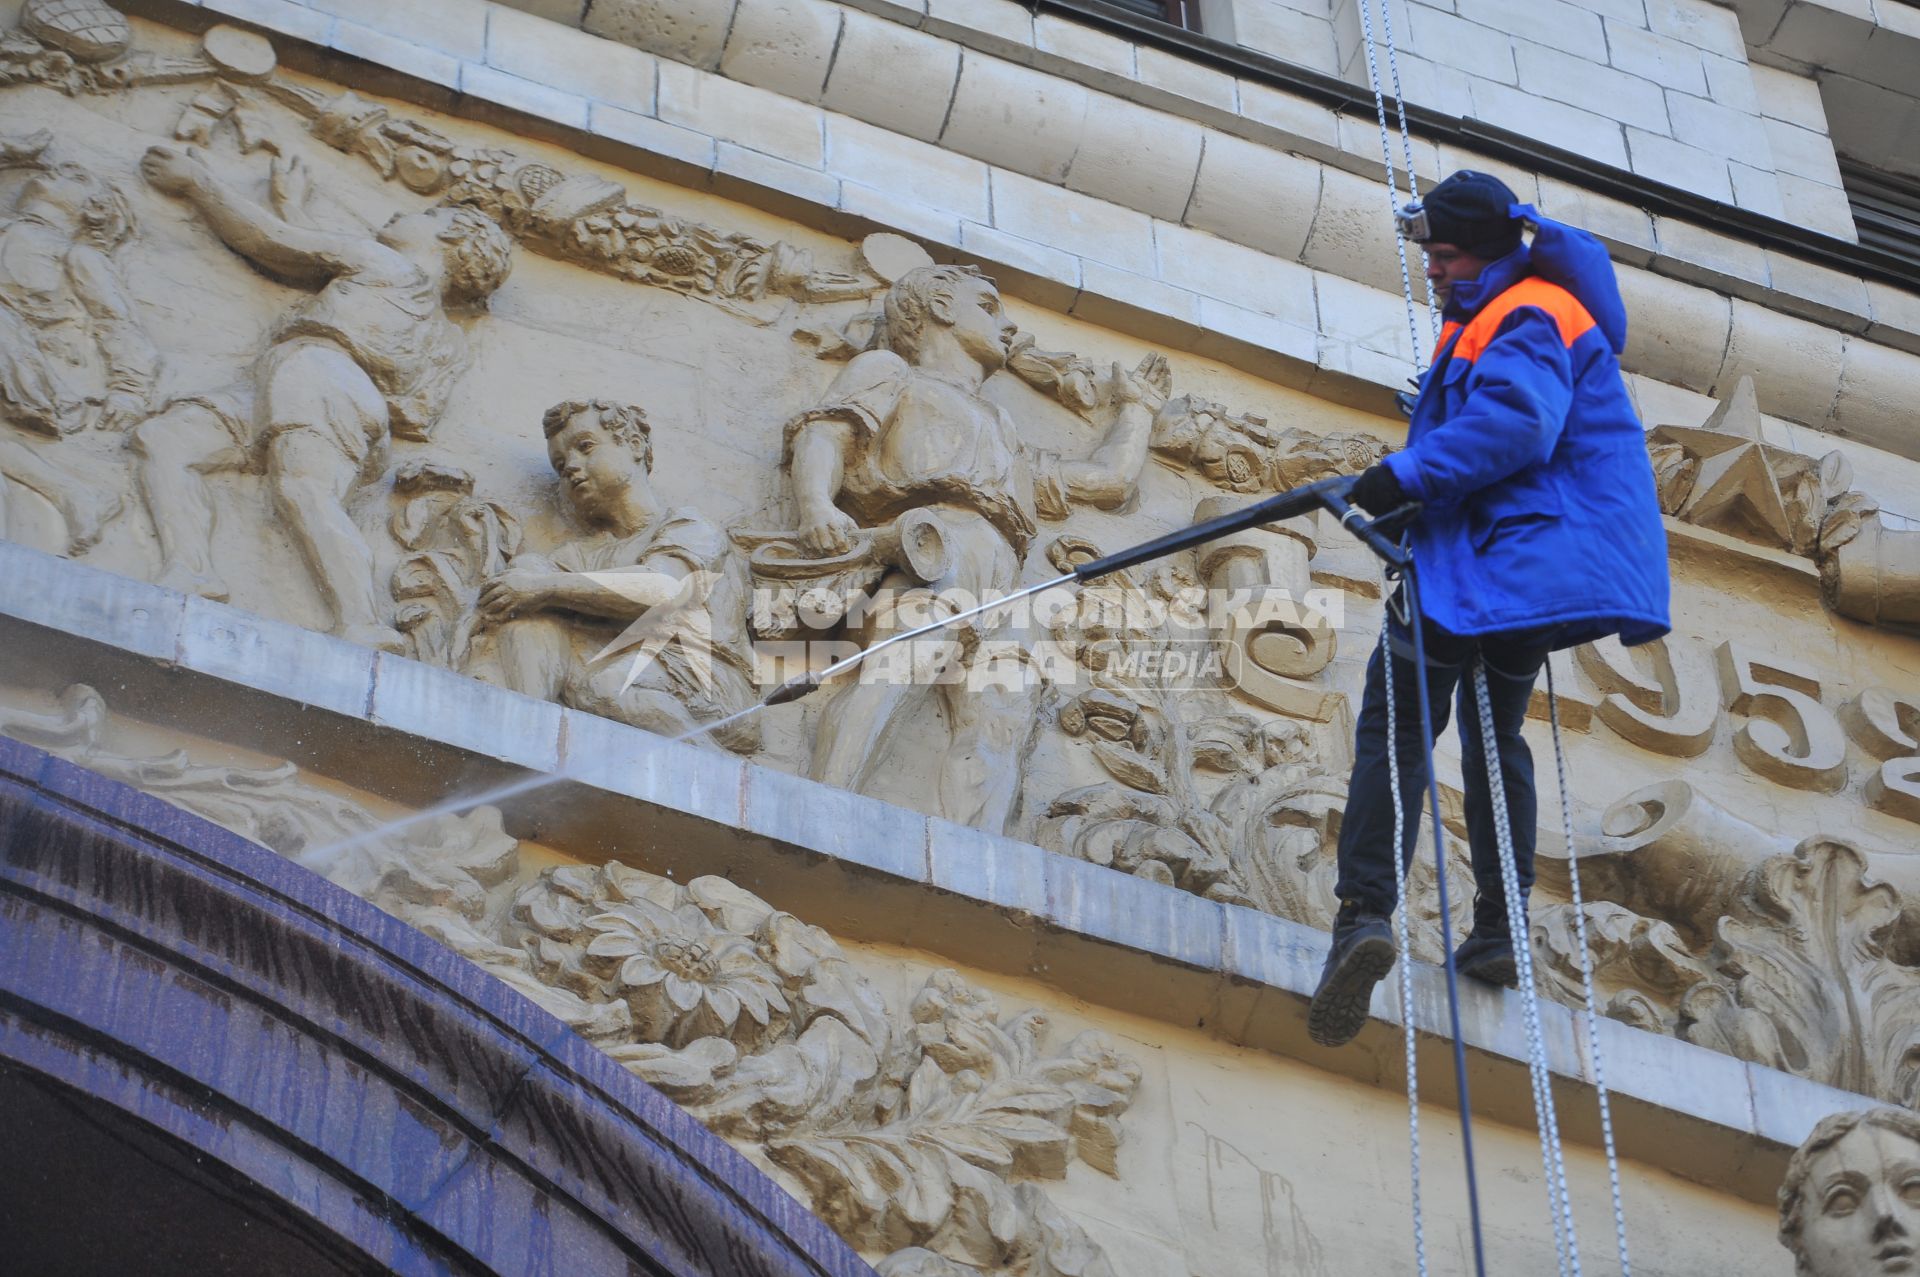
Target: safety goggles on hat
[(1411, 221)]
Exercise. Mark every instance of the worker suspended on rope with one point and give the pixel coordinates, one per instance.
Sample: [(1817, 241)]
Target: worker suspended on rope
[(1539, 529)]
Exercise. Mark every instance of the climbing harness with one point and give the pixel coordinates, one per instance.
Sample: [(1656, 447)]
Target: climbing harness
[(1553, 1157)]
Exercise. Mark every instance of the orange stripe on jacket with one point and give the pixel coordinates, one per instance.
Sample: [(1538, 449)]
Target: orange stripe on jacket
[(1569, 316)]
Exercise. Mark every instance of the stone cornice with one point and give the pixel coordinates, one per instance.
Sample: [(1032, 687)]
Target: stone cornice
[(864, 869), (1656, 198)]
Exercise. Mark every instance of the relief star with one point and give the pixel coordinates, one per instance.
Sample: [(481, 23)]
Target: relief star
[(1736, 490)]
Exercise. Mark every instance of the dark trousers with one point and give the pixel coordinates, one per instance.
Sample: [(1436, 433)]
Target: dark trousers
[(1513, 661)]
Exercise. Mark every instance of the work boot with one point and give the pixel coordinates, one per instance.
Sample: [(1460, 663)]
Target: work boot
[(1488, 959), (1362, 953)]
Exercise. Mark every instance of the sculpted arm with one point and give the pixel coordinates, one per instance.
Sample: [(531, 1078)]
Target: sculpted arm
[(822, 444), (618, 594), (535, 583), (1107, 477), (816, 467), (132, 361), (260, 236)]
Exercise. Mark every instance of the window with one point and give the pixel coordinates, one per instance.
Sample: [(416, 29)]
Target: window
[(1886, 209), (1181, 13)]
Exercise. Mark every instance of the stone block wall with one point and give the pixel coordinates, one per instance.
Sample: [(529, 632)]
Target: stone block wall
[(1663, 88), (709, 202)]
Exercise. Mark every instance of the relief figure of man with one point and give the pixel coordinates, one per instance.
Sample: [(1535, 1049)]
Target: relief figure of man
[(906, 427), (373, 351), (72, 352), (666, 577), (1850, 1203)]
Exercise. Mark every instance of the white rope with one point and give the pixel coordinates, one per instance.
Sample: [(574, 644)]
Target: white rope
[(1585, 959), (1553, 1158), (1403, 917), (1553, 1155), (1406, 152), (1386, 156)]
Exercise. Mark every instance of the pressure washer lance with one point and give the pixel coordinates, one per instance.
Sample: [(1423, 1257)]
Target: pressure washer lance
[(1328, 494)]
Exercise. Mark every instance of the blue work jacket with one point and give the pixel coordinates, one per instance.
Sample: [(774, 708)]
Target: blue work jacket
[(1539, 500)]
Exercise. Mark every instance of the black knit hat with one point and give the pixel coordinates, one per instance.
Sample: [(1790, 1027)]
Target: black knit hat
[(1469, 211)]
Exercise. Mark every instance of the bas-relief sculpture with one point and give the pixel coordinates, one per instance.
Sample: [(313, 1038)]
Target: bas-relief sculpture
[(374, 350), (923, 1133), (1850, 1202), (666, 574), (1229, 787), (905, 428), (72, 352), (1723, 475)]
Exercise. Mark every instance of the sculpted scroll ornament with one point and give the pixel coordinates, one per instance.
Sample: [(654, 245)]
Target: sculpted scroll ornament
[(1641, 966), (1711, 928), (1871, 572), (928, 1133), (1808, 977)]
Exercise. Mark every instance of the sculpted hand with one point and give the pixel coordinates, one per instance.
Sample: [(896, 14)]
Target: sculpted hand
[(512, 592), (122, 410), (22, 152), (1148, 384), (290, 185), (173, 170), (827, 531)]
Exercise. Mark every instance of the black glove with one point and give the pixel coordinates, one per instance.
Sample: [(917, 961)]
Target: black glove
[(1377, 491)]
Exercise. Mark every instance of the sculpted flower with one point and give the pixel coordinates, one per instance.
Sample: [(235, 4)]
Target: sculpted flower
[(684, 977)]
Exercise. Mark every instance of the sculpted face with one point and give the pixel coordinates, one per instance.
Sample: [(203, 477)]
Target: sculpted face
[(416, 234), (980, 325), (1862, 1207), (58, 189), (596, 468)]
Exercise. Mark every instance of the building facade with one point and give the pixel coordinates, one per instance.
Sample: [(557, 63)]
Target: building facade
[(430, 427)]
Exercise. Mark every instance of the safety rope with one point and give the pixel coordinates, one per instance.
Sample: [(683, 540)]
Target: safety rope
[(1552, 1151), (1409, 588), (1386, 157), (1552, 1156), (1401, 864), (1585, 958), (1401, 860), (1406, 152)]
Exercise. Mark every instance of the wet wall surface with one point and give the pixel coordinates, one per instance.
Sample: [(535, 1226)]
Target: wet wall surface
[(216, 1061)]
